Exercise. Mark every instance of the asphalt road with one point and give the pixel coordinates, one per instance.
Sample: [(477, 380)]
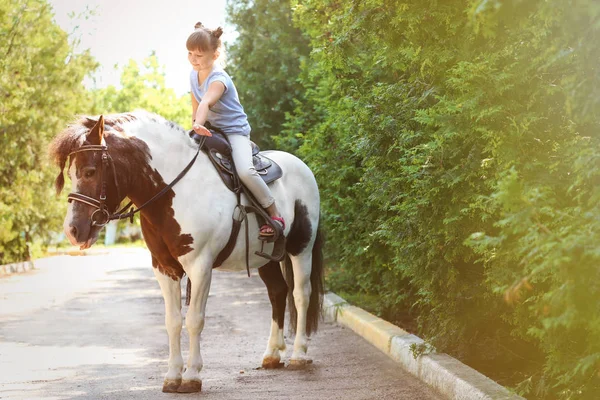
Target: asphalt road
[(93, 328)]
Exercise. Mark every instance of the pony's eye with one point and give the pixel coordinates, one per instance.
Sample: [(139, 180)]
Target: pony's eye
[(90, 172)]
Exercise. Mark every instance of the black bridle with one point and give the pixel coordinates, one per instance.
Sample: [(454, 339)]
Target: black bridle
[(102, 216), (100, 205)]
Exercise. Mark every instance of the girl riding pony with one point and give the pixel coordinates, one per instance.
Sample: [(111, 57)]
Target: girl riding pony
[(215, 99)]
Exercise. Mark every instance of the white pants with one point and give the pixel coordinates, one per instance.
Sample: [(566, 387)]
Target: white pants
[(241, 152)]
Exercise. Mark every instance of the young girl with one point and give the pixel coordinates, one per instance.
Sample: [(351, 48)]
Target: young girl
[(215, 99)]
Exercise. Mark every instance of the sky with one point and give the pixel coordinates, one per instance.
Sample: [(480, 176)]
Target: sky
[(120, 30)]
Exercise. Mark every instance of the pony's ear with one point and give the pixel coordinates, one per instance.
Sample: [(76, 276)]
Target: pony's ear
[(97, 132)]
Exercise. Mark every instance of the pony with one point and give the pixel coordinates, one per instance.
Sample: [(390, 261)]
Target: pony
[(136, 155)]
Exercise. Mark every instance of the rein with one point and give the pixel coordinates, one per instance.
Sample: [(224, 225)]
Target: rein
[(100, 204)]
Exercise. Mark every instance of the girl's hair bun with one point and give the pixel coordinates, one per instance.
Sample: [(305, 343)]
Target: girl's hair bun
[(204, 39), (217, 32)]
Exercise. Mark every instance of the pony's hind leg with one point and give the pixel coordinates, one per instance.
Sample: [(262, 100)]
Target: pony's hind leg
[(301, 265), (200, 277), (171, 291), (277, 288)]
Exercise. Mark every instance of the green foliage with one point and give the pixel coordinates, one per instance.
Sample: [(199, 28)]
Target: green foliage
[(143, 88), (265, 63), (456, 148), (41, 88)]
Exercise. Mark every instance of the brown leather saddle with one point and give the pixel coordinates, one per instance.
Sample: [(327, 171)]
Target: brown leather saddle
[(218, 149)]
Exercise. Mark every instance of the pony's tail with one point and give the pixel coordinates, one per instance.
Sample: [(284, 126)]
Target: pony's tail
[(288, 273), (315, 306), (316, 282)]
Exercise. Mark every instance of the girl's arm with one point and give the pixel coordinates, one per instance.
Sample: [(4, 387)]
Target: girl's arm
[(194, 107), (212, 95)]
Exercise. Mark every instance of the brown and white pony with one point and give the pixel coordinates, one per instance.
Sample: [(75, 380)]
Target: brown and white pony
[(190, 224)]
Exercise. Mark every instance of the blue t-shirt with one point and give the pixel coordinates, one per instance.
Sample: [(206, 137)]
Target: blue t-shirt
[(227, 113)]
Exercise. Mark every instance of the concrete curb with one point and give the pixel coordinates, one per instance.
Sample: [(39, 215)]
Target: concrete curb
[(448, 376), (16, 268), (26, 266), (77, 252)]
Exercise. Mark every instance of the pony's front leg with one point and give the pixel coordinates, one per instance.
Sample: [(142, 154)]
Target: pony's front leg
[(171, 291), (200, 277)]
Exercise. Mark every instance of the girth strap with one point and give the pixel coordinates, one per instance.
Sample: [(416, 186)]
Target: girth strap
[(239, 215), (228, 249)]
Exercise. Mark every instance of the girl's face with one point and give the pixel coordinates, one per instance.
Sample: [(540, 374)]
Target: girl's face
[(202, 60)]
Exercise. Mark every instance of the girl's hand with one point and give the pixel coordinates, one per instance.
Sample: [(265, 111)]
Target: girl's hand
[(201, 130)]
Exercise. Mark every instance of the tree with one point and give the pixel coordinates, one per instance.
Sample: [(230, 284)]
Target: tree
[(143, 87), (265, 63), (41, 88)]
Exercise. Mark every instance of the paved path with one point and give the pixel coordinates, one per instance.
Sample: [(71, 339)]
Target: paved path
[(92, 328)]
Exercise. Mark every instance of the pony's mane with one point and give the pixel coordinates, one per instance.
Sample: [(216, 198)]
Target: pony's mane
[(73, 137)]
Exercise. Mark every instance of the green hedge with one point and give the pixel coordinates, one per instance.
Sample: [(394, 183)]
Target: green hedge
[(456, 147)]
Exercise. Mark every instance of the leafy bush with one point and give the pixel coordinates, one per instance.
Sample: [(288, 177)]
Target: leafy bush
[(455, 144)]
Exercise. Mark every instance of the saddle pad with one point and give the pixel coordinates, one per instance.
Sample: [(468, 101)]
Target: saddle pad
[(268, 169)]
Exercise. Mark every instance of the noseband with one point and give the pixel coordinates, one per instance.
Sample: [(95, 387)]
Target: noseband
[(100, 205)]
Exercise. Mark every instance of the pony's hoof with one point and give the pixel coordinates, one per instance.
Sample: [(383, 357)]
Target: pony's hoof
[(190, 387), (271, 363), (171, 385), (300, 362)]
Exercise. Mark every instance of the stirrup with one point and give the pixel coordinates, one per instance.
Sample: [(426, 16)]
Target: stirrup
[(267, 235)]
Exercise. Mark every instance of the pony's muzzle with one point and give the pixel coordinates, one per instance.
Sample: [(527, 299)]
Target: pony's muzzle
[(71, 233), (76, 234)]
